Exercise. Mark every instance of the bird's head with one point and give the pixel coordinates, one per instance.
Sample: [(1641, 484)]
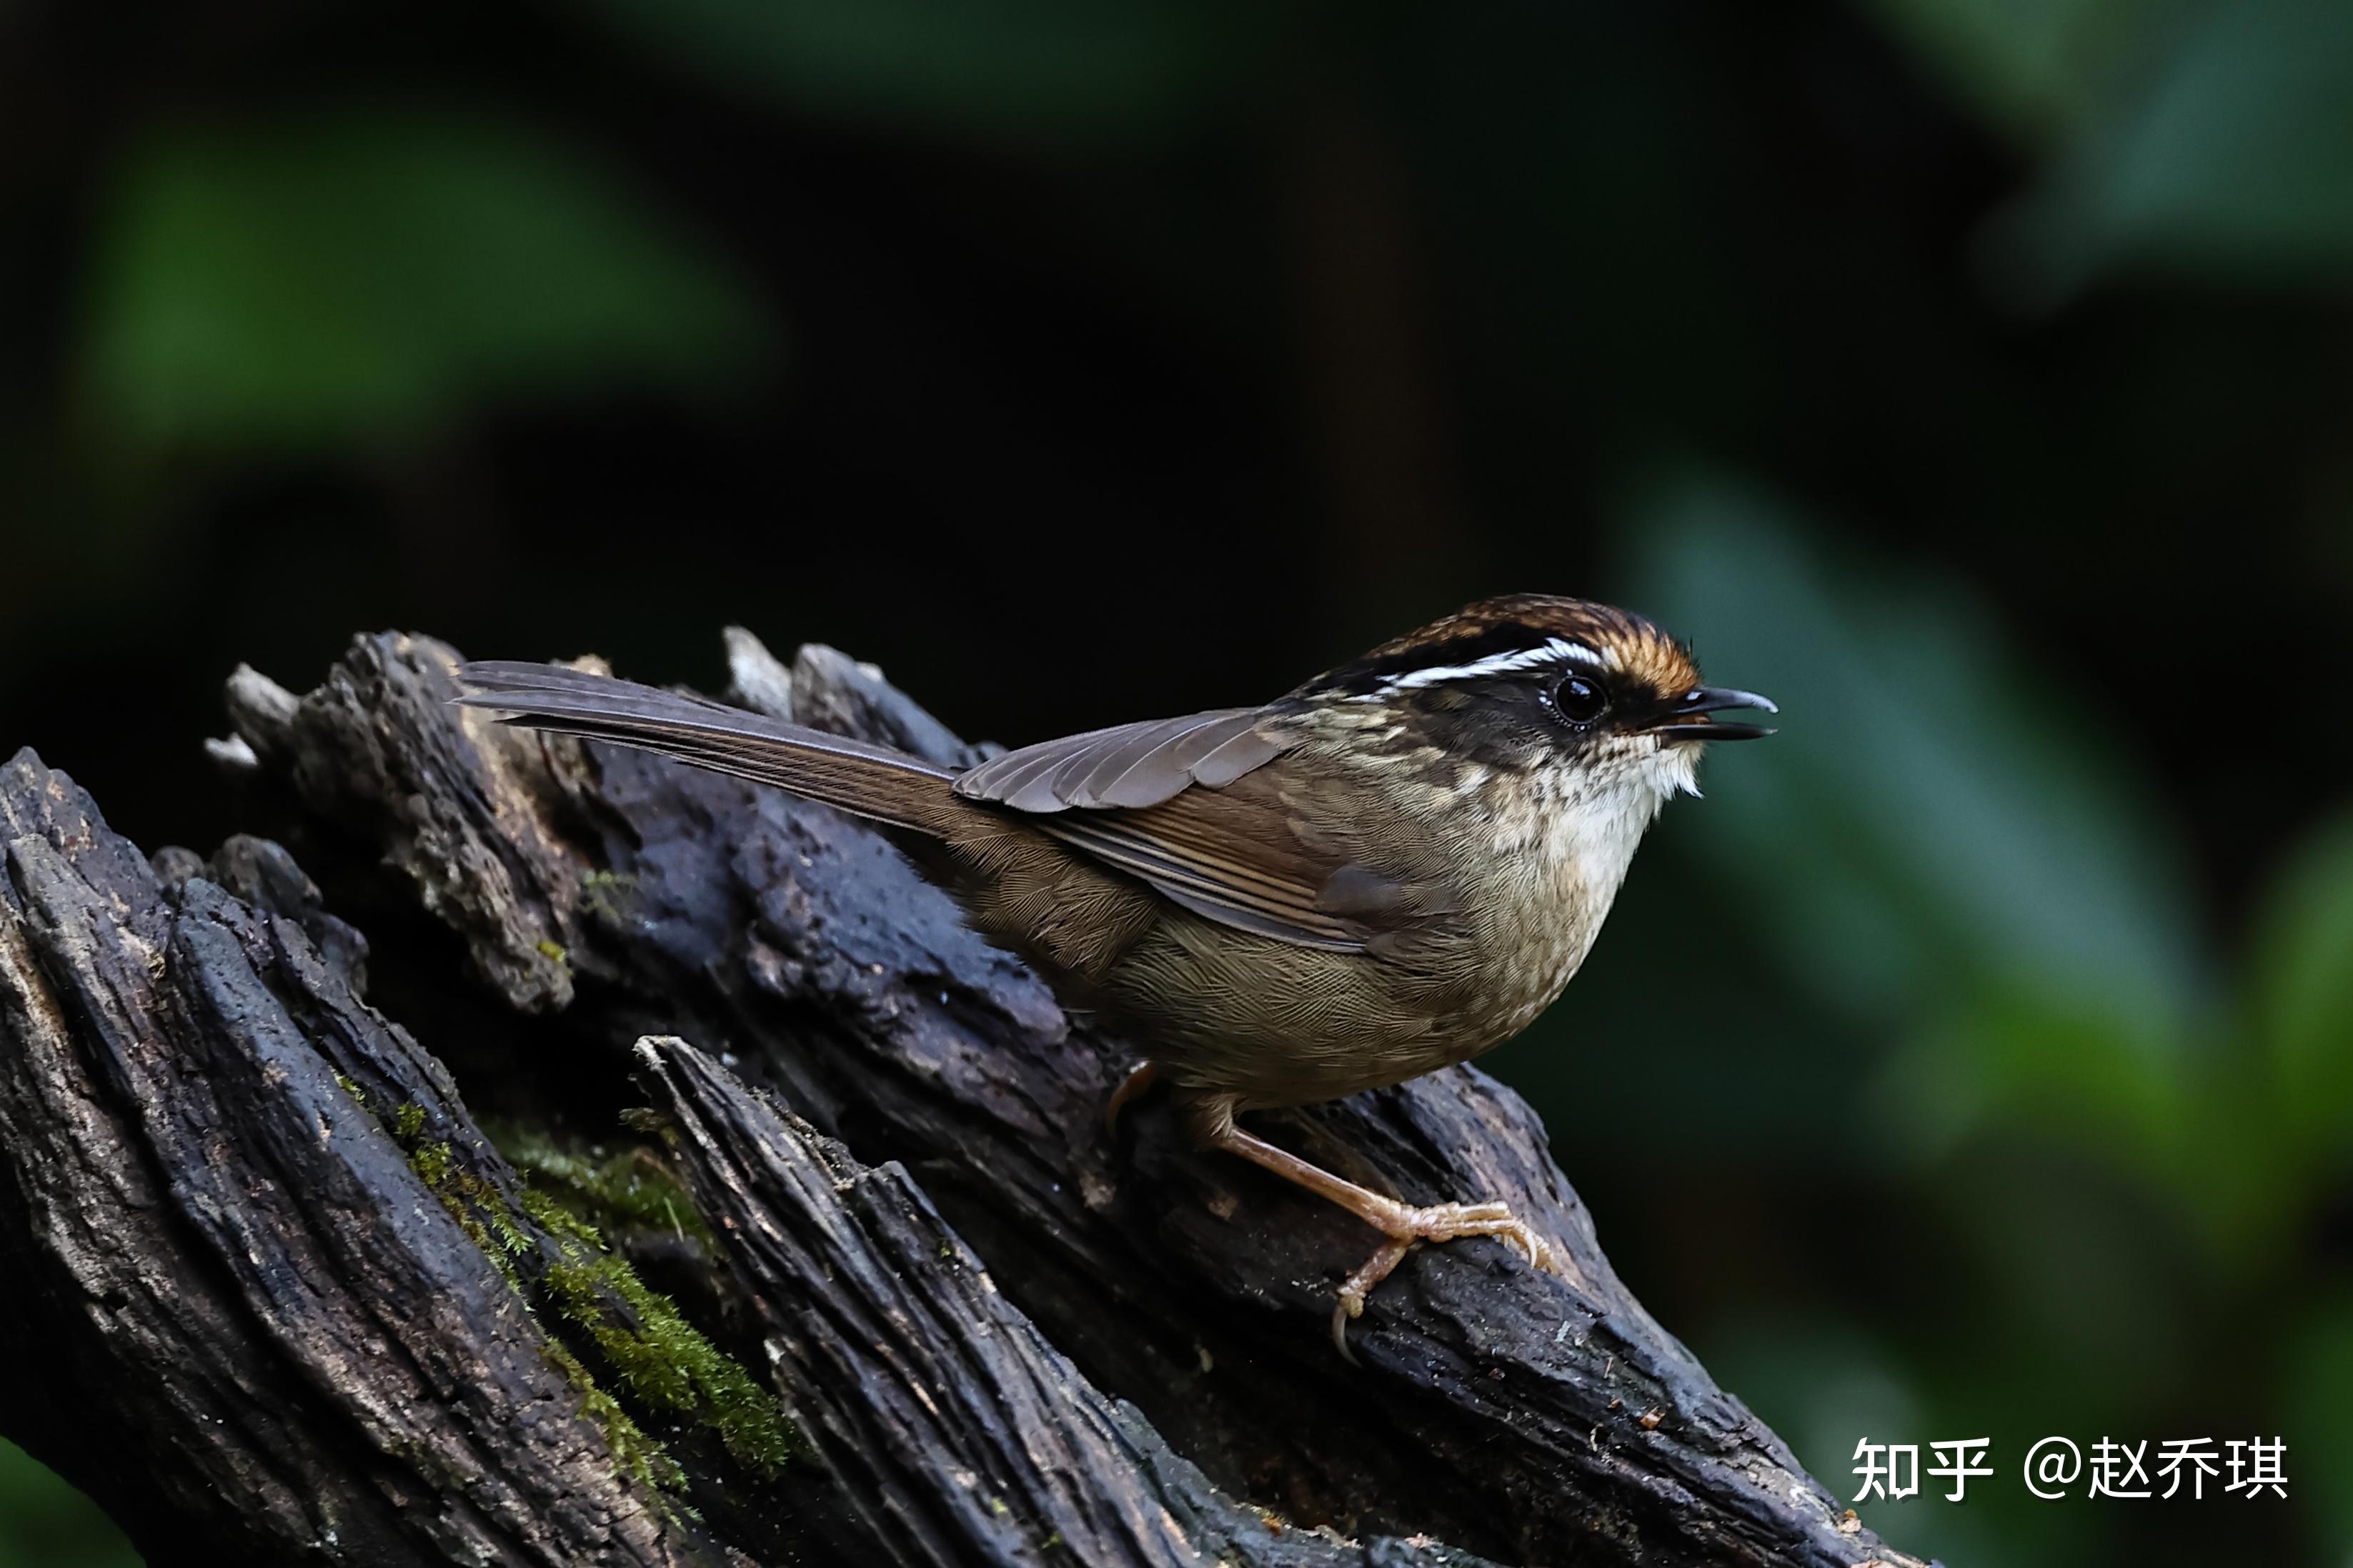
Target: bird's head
[(1538, 681)]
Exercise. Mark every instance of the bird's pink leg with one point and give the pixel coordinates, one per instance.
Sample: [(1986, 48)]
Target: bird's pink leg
[(1402, 1224)]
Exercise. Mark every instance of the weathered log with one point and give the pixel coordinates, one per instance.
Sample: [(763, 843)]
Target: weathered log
[(275, 1296), (935, 1403), (237, 1313), (594, 896)]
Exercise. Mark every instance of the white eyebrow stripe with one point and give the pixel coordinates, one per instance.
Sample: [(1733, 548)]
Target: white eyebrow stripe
[(1555, 651)]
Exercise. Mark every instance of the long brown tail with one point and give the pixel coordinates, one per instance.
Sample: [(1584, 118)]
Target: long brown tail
[(858, 777)]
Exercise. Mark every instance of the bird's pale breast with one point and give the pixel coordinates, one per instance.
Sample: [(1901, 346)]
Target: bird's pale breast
[(1276, 1025)]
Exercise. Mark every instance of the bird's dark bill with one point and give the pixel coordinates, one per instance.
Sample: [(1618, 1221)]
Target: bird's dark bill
[(1688, 718)]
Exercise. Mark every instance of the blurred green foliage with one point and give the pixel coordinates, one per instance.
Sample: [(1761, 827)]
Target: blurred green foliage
[(2224, 154), (2133, 1134), (369, 276), (2033, 65), (1970, 376), (44, 1523), (1936, 828), (1039, 74)]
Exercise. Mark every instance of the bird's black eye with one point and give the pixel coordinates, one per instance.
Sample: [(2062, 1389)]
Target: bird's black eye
[(1579, 700)]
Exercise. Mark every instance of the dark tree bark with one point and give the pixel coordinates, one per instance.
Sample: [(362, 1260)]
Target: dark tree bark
[(273, 1290)]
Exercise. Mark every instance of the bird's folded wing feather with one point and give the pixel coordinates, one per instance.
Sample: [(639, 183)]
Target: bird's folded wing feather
[(1127, 765), (1180, 804)]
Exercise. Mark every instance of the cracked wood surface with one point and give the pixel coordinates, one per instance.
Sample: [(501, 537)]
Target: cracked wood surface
[(958, 1282)]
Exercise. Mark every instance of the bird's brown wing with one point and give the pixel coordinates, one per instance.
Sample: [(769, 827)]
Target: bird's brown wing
[(1190, 807), (1128, 766)]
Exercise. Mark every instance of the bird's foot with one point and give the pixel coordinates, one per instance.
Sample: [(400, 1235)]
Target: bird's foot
[(1401, 1223), (1406, 1226)]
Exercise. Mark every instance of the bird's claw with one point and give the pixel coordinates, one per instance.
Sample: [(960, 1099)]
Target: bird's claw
[(1139, 1079), (1440, 1222)]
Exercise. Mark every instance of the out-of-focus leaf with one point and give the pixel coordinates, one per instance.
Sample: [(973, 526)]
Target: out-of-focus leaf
[(1935, 848), (2234, 160), (44, 1523), (2032, 66), (370, 276), (2302, 998), (2319, 1431), (2027, 1059), (2200, 1128), (1927, 822), (1024, 70)]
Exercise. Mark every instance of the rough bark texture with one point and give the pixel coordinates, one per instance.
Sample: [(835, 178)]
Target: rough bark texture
[(272, 1291)]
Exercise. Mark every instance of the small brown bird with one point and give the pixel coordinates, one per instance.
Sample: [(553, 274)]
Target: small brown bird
[(1392, 868)]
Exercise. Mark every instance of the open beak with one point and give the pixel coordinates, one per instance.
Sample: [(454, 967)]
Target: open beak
[(1688, 720)]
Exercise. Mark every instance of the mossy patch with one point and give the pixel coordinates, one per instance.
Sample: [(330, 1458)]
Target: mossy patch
[(642, 1456), (433, 1162), (604, 892), (662, 1359), (623, 1191)]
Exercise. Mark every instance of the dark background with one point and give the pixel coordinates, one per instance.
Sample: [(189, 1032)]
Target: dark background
[(1975, 1060)]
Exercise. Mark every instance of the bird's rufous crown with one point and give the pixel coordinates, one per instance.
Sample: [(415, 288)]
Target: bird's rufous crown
[(1486, 636)]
